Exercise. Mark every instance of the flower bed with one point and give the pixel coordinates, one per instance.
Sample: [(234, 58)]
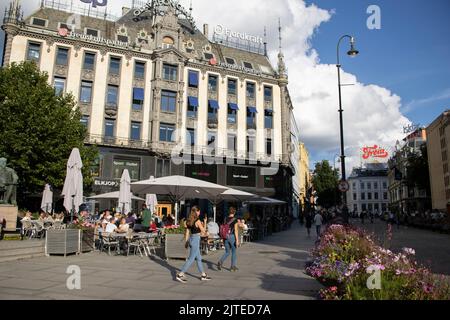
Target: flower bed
[(341, 262)]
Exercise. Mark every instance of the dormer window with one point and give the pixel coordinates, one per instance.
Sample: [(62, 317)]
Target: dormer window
[(122, 38), (167, 42), (230, 61), (64, 26), (248, 65), (39, 22), (92, 32), (208, 56)]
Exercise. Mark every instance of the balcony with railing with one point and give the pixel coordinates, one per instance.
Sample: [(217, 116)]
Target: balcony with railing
[(109, 141)]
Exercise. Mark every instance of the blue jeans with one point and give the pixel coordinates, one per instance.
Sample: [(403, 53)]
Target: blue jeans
[(194, 254), (230, 245)]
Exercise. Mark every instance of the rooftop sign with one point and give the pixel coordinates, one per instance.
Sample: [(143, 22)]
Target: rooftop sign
[(374, 153), (220, 30), (63, 32)]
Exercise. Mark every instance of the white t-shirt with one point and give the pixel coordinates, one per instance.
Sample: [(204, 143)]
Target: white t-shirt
[(124, 227), (110, 227), (213, 228), (318, 220)]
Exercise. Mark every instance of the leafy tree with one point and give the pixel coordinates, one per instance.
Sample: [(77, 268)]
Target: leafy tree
[(418, 171), (325, 182), (39, 129)]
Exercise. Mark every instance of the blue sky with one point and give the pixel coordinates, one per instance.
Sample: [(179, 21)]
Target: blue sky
[(410, 54)]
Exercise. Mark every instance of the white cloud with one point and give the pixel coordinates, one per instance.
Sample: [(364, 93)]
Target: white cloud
[(371, 113)]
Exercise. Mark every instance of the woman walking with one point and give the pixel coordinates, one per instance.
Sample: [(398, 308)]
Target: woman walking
[(195, 229), (229, 232), (308, 223)]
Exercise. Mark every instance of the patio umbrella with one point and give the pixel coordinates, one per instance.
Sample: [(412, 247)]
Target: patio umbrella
[(125, 193), (232, 195), (47, 199), (179, 188), (151, 201), (113, 195), (73, 185)]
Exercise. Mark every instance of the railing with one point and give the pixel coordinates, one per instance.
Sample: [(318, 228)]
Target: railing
[(85, 10), (117, 142)]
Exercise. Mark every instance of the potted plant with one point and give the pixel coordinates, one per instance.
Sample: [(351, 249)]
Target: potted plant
[(174, 247), (87, 237)]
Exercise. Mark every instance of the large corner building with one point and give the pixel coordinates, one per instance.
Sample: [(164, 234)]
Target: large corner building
[(160, 97)]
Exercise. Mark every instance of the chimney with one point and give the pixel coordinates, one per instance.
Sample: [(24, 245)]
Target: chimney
[(125, 10), (205, 30)]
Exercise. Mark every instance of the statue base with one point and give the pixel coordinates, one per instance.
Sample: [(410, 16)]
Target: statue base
[(9, 212)]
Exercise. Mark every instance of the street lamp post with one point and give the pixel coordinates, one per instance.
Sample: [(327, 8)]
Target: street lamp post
[(352, 52)]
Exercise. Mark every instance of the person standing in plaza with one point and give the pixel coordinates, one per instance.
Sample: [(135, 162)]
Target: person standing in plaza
[(229, 232), (195, 229), (146, 218), (318, 220), (308, 223)]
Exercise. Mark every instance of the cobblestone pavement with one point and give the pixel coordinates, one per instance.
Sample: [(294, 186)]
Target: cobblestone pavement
[(272, 269), (432, 248)]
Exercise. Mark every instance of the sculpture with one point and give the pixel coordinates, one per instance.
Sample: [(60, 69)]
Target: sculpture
[(8, 184)]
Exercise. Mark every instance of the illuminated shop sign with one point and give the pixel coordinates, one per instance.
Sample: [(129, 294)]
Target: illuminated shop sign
[(374, 152), (220, 30)]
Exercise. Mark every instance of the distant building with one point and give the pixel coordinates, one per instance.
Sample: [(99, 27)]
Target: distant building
[(368, 189), (438, 146), (404, 198), (304, 175)]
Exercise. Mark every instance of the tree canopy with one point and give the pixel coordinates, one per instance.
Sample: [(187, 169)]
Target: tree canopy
[(417, 169), (39, 129), (325, 182)]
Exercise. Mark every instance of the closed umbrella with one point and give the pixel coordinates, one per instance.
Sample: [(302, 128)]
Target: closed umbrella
[(179, 188), (125, 193), (47, 199), (151, 201), (73, 185)]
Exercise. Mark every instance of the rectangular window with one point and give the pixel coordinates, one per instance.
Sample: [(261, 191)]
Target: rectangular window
[(251, 118), (166, 132), (60, 85), (168, 101), (208, 56), (122, 38), (268, 119), (135, 131), (190, 139), (369, 185), (369, 196), (89, 61), (34, 51), (232, 87), (231, 142), (39, 22), (269, 147), (355, 207), (170, 72), (162, 168), (355, 197), (363, 196), (213, 107), (112, 94), (250, 90), (138, 98), (139, 70), (114, 66), (384, 185), (86, 91), (361, 185), (364, 207), (232, 113), (354, 185), (375, 195), (248, 65), (385, 195), (192, 107), (62, 57), (193, 79), (92, 32), (375, 185), (212, 83), (84, 121), (370, 207), (109, 128), (383, 207), (250, 145), (230, 61), (268, 94)]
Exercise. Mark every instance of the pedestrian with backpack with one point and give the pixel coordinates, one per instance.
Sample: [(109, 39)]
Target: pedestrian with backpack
[(230, 234), (195, 228)]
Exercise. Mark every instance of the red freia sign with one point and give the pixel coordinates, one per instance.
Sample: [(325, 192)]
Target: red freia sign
[(63, 32), (374, 152), (213, 61)]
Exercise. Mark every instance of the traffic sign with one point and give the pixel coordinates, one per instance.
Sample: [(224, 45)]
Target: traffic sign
[(343, 186)]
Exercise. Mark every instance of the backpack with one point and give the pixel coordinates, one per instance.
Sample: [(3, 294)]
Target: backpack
[(224, 230)]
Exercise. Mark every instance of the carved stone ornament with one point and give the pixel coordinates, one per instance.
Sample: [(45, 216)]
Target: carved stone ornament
[(49, 41), (88, 74), (122, 30), (61, 70)]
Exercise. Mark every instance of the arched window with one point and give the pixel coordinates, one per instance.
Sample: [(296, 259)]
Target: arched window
[(167, 42)]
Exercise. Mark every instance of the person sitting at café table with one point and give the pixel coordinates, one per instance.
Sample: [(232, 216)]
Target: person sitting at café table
[(105, 219), (131, 220), (169, 220), (123, 226), (110, 226), (27, 217)]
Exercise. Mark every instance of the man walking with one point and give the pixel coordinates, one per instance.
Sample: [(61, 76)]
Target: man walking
[(318, 220)]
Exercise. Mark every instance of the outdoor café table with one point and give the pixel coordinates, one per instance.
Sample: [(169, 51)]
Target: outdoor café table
[(121, 237)]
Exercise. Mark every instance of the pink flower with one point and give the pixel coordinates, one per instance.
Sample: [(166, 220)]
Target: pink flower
[(409, 251), (333, 289)]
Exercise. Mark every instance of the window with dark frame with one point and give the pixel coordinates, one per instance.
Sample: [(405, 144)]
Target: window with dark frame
[(231, 142), (138, 99), (89, 61), (168, 101), (34, 51), (190, 139), (232, 113), (212, 83), (109, 128), (268, 94), (135, 130), (268, 119), (112, 95), (208, 56), (59, 83), (84, 121), (166, 132), (269, 147), (230, 61), (193, 79), (139, 70), (248, 65), (39, 22), (114, 65), (62, 56), (232, 85), (122, 38), (86, 91), (170, 72), (250, 90), (92, 32), (192, 108)]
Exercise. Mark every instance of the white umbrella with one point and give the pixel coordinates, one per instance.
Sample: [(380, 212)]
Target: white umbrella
[(113, 195), (125, 193), (47, 199), (232, 195), (179, 188), (73, 185), (151, 201)]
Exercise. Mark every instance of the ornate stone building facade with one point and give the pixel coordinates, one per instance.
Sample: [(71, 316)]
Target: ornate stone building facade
[(159, 97)]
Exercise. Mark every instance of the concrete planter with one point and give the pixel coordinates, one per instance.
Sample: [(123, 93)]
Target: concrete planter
[(174, 247), (64, 241), (87, 241)]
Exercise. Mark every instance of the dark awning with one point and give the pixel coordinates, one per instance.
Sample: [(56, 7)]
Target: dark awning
[(213, 104), (233, 106), (138, 94), (252, 109), (193, 101)]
